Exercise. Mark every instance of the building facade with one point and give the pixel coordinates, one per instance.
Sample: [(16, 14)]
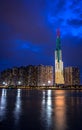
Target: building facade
[(72, 76), (44, 75), (28, 76), (59, 75)]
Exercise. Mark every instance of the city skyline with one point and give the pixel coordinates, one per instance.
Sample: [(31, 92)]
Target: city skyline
[(28, 32)]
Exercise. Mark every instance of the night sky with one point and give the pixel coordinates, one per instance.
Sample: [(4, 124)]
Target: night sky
[(28, 32)]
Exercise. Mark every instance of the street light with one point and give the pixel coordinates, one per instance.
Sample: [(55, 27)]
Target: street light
[(49, 82), (43, 84), (4, 83), (19, 82)]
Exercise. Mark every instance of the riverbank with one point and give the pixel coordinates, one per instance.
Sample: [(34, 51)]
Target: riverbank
[(44, 88)]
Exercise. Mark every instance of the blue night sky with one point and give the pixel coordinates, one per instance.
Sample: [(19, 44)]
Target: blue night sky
[(28, 32)]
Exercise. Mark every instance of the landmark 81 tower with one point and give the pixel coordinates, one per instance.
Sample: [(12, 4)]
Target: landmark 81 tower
[(59, 78)]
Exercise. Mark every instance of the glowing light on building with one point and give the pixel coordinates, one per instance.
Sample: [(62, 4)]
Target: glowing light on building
[(19, 82), (4, 83)]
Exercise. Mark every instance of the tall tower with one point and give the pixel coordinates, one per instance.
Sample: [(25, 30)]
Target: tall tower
[(59, 77)]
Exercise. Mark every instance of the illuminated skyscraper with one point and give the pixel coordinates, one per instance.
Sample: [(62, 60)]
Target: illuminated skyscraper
[(59, 78)]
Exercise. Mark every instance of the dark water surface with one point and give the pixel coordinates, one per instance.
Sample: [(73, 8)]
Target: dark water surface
[(40, 109)]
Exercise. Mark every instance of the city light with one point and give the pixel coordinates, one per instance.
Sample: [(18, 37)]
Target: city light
[(19, 82), (49, 82), (4, 83)]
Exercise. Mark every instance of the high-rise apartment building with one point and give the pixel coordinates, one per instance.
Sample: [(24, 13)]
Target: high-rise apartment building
[(72, 76), (59, 77), (44, 75), (29, 76)]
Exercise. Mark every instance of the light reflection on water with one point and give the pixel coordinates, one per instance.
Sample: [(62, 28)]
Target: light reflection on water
[(40, 109), (49, 107), (3, 104), (17, 110), (46, 108), (60, 110)]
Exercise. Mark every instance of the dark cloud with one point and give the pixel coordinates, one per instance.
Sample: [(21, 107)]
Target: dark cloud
[(77, 10), (80, 15), (75, 22), (60, 5), (75, 3)]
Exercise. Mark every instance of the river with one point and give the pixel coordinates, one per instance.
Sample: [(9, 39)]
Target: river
[(22, 109)]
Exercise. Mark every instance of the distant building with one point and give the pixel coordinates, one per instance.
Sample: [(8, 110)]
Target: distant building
[(6, 76), (21, 75), (31, 75), (15, 72), (72, 76), (44, 75), (28, 76)]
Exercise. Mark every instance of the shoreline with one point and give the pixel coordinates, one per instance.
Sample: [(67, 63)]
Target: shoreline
[(43, 88)]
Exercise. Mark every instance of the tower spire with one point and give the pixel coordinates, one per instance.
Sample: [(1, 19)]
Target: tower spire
[(58, 32)]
